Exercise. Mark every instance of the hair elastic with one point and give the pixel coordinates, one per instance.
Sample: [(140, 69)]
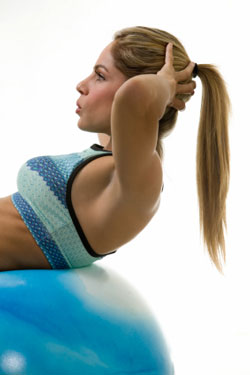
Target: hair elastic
[(195, 71)]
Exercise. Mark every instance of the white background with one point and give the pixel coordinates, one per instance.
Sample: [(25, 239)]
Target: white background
[(46, 48)]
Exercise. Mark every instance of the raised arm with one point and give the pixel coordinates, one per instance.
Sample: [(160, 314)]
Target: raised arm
[(137, 108), (134, 129)]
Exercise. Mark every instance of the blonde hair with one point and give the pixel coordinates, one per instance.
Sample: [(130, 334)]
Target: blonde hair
[(141, 50)]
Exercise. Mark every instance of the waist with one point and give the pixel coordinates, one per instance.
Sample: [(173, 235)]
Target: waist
[(54, 232), (17, 246)]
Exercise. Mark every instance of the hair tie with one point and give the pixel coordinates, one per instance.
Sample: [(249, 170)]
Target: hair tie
[(195, 71)]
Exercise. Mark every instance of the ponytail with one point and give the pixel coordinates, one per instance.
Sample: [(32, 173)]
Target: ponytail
[(141, 50), (213, 161)]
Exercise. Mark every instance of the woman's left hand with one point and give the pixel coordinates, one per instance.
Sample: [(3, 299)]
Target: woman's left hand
[(173, 77)]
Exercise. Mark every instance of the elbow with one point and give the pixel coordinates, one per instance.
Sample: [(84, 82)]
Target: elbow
[(137, 98)]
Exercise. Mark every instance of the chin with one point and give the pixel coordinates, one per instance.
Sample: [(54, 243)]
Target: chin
[(93, 128), (87, 128), (83, 126)]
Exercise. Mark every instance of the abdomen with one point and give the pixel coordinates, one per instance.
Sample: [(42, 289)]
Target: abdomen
[(18, 249)]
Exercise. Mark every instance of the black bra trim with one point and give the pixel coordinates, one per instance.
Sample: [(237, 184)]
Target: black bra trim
[(97, 147), (76, 223), (70, 206)]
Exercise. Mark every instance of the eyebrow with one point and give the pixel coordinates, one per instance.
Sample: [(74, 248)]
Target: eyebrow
[(101, 66)]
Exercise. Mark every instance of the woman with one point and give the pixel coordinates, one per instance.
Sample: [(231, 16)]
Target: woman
[(71, 210)]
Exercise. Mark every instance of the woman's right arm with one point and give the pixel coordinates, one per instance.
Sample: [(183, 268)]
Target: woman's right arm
[(134, 128), (137, 108)]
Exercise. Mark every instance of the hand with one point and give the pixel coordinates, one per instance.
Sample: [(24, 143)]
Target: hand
[(173, 78)]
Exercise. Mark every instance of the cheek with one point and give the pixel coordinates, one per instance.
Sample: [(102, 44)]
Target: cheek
[(104, 100)]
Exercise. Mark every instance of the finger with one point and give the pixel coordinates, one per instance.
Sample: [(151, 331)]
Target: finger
[(186, 73), (169, 54), (178, 104), (186, 88)]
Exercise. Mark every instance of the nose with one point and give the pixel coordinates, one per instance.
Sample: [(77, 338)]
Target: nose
[(82, 87)]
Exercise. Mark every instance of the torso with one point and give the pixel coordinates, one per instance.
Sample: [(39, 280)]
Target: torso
[(18, 248), (92, 193)]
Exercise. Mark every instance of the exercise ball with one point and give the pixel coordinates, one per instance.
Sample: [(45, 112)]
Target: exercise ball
[(80, 321)]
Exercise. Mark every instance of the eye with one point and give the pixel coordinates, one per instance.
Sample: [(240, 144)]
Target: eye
[(101, 77)]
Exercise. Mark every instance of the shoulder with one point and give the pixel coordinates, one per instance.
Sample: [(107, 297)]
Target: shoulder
[(110, 214), (110, 196)]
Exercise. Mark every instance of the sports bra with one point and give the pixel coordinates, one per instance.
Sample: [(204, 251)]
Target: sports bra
[(44, 203)]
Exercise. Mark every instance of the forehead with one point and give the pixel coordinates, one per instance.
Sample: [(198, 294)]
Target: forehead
[(106, 58)]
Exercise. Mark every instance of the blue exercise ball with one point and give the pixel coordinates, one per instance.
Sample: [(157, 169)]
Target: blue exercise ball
[(73, 322)]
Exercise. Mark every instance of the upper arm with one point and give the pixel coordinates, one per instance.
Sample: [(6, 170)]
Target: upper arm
[(134, 131)]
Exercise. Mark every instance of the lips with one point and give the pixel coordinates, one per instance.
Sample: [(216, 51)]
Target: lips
[(78, 109), (78, 105)]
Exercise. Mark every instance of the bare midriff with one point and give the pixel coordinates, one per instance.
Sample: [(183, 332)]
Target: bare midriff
[(18, 249)]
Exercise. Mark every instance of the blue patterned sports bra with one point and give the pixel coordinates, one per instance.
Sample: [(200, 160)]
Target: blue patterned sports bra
[(44, 203)]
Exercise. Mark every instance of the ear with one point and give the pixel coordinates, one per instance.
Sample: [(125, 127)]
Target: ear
[(103, 139)]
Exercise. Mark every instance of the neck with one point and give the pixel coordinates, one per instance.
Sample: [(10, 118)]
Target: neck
[(109, 145)]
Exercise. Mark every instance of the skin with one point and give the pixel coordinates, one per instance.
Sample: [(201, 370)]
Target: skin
[(97, 97), (124, 191), (168, 75), (98, 91)]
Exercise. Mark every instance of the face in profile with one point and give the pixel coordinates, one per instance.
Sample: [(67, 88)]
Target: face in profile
[(97, 94)]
